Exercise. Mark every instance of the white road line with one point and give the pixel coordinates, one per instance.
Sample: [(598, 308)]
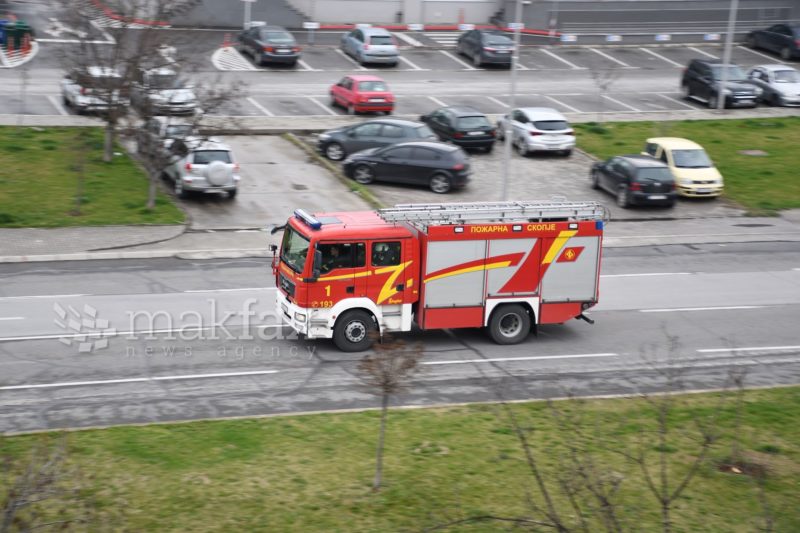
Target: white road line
[(406, 38), (12, 318), (350, 59), (682, 309), (57, 105), (72, 41), (571, 65), (645, 274), (671, 99), (234, 290), (750, 349), (306, 66), (532, 358), (772, 59), (410, 64), (623, 104), (498, 102), (437, 101), (611, 58), (457, 60), (712, 56), (138, 380), (668, 60), (520, 66), (260, 107), (574, 109), (327, 109), (44, 296)]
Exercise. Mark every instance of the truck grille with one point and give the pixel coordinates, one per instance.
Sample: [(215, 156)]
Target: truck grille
[(286, 285)]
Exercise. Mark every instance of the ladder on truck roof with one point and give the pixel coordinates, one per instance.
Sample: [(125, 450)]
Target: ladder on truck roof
[(463, 213)]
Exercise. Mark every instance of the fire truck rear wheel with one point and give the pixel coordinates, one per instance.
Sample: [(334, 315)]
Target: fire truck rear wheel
[(510, 324), (354, 331)]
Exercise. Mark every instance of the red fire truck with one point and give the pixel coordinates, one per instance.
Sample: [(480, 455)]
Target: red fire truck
[(505, 266)]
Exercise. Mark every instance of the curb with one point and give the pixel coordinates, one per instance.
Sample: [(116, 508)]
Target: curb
[(143, 254)]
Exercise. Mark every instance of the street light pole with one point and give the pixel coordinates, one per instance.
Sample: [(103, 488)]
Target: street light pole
[(726, 56), (247, 16), (511, 102)]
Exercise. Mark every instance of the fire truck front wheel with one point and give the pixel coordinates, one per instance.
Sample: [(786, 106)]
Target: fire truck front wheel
[(510, 324), (354, 331)]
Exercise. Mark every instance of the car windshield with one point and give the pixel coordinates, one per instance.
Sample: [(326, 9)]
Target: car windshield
[(294, 249), (551, 125), (178, 130), (691, 159), (787, 76), (465, 123), (654, 174), (165, 81), (204, 157), (424, 131), (372, 86), (278, 37), (381, 40), (732, 72)]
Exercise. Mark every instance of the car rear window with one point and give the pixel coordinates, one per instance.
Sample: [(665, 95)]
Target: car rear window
[(372, 86), (424, 131), (551, 125), (204, 157), (465, 123), (178, 130), (654, 174), (165, 81), (278, 37), (381, 40), (497, 40)]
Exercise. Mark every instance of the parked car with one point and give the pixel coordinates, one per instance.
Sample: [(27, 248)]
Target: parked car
[(702, 81), (462, 125), (202, 165), (635, 180), (780, 84), (371, 45), (338, 143), (539, 129), (694, 172), (158, 133), (269, 44), (359, 93), (486, 47), (781, 38), (94, 89), (161, 91), (440, 166)]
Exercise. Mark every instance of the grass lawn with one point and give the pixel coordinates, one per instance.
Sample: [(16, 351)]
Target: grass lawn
[(762, 184), (39, 174), (313, 473)]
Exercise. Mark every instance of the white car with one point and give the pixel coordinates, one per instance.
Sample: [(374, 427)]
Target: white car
[(202, 165), (538, 129), (155, 136), (93, 89), (780, 84)]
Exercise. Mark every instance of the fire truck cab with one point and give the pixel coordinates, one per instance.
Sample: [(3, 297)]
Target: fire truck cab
[(505, 266)]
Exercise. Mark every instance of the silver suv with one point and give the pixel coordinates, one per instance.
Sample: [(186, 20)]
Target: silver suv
[(371, 45), (202, 165), (160, 91)]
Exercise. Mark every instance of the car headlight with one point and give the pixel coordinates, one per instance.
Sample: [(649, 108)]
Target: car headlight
[(726, 92), (758, 90), (685, 182), (324, 136)]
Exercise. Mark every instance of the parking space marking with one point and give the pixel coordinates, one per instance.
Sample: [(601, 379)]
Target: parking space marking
[(410, 64), (350, 59), (671, 99), (447, 38), (623, 104), (406, 38), (611, 58), (437, 101), (306, 66), (498, 102), (260, 107), (573, 66), (712, 56), (520, 66), (574, 109), (57, 105), (755, 52), (327, 109), (457, 60), (668, 60)]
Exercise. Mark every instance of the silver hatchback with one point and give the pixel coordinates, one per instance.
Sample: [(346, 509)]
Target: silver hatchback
[(371, 45)]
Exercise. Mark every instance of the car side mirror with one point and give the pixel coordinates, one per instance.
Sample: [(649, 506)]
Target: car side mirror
[(424, 118)]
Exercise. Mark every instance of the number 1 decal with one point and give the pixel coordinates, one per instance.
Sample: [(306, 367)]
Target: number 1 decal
[(327, 290)]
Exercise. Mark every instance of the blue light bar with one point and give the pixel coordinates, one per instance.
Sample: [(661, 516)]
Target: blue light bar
[(308, 219)]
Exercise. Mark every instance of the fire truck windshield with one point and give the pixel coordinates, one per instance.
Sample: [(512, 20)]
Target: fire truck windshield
[(294, 249)]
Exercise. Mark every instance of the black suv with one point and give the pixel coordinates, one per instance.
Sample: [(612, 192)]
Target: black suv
[(702, 81), (462, 125), (635, 180)]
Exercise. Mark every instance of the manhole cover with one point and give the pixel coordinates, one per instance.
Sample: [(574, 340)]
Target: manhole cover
[(299, 187), (754, 225), (758, 153)]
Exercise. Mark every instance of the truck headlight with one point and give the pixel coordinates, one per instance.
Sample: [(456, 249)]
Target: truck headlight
[(300, 317)]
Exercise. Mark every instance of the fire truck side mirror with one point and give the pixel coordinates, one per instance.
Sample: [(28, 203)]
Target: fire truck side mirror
[(273, 248), (315, 271)]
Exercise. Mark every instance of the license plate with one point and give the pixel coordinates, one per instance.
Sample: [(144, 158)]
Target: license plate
[(703, 190), (475, 133), (377, 99), (283, 50), (656, 197), (504, 51)]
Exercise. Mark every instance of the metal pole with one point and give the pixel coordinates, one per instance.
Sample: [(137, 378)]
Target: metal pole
[(511, 102), (726, 56), (247, 4)]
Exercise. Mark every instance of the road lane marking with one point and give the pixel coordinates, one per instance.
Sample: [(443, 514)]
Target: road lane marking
[(574, 109), (437, 101), (130, 333), (671, 99), (44, 296), (623, 104), (682, 309), (668, 60), (756, 52), (232, 290), (350, 59), (12, 318), (57, 105), (532, 358), (306, 66), (138, 380), (712, 56), (410, 40), (409, 63), (498, 102), (457, 60), (323, 106), (749, 349), (571, 65), (260, 107), (645, 274), (614, 59)]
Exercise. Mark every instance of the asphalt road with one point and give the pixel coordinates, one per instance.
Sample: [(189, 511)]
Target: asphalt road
[(217, 351)]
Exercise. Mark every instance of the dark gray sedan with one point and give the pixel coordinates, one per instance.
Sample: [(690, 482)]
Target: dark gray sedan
[(269, 44), (337, 144)]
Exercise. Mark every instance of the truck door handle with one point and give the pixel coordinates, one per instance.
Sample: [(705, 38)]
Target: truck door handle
[(399, 287), (351, 289)]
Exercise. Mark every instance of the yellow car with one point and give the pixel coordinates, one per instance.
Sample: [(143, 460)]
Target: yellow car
[(694, 172)]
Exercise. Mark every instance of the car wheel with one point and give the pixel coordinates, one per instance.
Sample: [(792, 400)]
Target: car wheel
[(387, 112), (476, 60), (510, 324), (440, 184), (623, 199), (334, 151), (712, 101), (501, 133), (489, 148), (595, 180), (751, 42), (351, 109), (786, 54), (364, 174), (522, 148), (232, 194), (333, 101), (293, 64), (566, 153), (180, 192), (775, 100), (685, 92), (65, 100), (354, 331)]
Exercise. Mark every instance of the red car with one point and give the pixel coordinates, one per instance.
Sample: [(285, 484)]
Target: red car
[(358, 93)]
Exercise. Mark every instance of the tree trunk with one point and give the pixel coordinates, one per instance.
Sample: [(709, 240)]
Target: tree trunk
[(376, 484), (108, 144), (151, 192)]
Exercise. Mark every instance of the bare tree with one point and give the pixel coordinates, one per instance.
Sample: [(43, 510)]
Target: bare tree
[(603, 79), (386, 372)]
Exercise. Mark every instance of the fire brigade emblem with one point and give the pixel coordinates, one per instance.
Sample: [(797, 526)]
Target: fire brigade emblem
[(570, 255)]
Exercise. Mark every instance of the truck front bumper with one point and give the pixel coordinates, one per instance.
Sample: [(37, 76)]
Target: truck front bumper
[(311, 323)]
